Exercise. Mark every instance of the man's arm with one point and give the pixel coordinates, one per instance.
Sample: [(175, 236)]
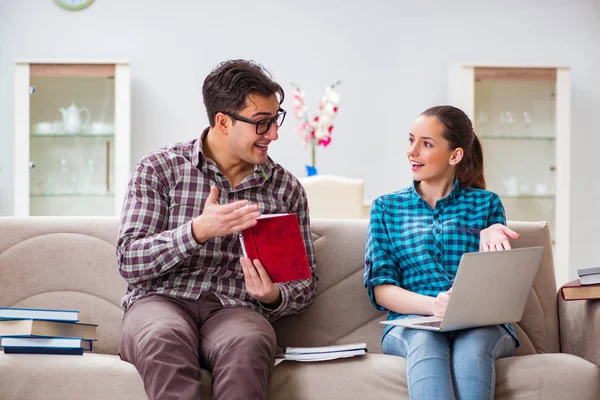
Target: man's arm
[(145, 250)]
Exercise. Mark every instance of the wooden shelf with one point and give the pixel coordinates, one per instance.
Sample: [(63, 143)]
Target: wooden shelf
[(515, 74), (73, 70), (516, 137), (69, 135), (45, 195)]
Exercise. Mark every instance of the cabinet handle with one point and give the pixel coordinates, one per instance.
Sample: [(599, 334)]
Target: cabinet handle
[(31, 164), (553, 168)]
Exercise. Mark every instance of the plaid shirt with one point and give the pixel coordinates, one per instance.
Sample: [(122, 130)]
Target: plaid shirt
[(156, 251), (418, 248)]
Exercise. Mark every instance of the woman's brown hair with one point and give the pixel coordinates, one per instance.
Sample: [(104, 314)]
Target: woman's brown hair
[(458, 131)]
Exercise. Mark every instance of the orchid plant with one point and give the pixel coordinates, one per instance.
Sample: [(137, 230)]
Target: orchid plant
[(316, 132)]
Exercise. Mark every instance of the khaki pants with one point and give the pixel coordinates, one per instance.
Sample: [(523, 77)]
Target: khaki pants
[(169, 339)]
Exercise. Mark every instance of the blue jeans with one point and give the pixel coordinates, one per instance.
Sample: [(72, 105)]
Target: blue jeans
[(459, 364)]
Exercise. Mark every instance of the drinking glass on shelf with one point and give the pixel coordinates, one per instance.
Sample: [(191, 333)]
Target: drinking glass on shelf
[(38, 189), (502, 119), (481, 122), (89, 175), (510, 122), (65, 177), (50, 183), (526, 119)]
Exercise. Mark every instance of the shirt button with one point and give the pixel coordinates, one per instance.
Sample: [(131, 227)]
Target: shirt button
[(438, 230)]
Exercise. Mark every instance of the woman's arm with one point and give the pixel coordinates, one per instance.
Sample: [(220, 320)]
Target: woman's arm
[(402, 301), (495, 236)]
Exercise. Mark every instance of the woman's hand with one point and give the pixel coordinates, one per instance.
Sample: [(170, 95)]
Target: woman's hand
[(440, 303), (495, 238)]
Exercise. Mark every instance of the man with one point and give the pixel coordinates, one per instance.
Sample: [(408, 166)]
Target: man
[(192, 299)]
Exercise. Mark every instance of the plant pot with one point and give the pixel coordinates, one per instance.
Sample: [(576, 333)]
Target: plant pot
[(310, 170)]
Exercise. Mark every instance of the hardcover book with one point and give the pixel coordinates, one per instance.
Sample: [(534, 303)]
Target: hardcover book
[(276, 241), (589, 276), (43, 342), (576, 291), (39, 313), (44, 350), (33, 327)]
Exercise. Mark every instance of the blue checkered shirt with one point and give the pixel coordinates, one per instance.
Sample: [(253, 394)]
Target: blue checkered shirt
[(418, 248)]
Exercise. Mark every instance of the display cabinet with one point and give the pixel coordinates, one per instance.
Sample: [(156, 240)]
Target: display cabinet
[(72, 137), (522, 116)]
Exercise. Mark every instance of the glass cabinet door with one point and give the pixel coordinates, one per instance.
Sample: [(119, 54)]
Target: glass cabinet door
[(515, 120), (74, 133), (522, 116)]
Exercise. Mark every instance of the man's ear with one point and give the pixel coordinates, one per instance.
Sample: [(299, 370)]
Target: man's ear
[(456, 156), (222, 123)]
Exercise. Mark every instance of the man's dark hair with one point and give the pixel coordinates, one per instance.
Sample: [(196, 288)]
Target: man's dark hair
[(227, 87)]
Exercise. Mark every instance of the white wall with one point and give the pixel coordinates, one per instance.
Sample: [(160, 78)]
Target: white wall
[(392, 56)]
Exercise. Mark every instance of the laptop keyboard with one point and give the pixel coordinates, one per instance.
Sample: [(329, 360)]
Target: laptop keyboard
[(435, 324)]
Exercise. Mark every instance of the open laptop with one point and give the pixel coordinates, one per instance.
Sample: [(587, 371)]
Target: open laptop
[(490, 288)]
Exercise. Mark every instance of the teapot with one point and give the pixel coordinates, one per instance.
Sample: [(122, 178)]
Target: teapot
[(72, 118)]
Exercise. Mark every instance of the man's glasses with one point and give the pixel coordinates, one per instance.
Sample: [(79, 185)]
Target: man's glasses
[(263, 125)]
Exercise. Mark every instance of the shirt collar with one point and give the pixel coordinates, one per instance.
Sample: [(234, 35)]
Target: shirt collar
[(457, 189), (197, 154), (262, 173)]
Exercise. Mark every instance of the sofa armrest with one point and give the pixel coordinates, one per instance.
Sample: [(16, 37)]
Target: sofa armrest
[(579, 322)]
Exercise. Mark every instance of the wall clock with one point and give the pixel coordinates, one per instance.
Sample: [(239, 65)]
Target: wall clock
[(74, 5)]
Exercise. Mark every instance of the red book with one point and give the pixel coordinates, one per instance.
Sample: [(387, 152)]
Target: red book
[(575, 291), (277, 243)]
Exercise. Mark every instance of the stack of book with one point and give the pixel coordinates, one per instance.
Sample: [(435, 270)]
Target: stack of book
[(587, 287), (40, 331), (322, 353)]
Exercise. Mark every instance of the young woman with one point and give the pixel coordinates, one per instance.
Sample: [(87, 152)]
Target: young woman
[(415, 241)]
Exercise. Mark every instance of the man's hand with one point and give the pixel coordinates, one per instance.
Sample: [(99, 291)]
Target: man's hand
[(221, 220), (495, 238), (440, 303), (258, 282)]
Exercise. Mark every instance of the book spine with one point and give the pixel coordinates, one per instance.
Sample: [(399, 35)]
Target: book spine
[(42, 350)]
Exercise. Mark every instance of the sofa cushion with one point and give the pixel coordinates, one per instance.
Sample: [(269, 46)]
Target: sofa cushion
[(60, 377), (373, 376), (538, 329), (548, 377), (379, 376)]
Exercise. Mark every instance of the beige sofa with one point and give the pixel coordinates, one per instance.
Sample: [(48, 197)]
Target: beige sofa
[(70, 263)]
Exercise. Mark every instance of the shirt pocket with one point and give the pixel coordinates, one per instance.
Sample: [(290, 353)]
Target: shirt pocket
[(466, 233), (467, 230)]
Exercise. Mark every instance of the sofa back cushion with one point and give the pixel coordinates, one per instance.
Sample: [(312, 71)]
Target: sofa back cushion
[(538, 329), (58, 262), (64, 262), (342, 312)]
